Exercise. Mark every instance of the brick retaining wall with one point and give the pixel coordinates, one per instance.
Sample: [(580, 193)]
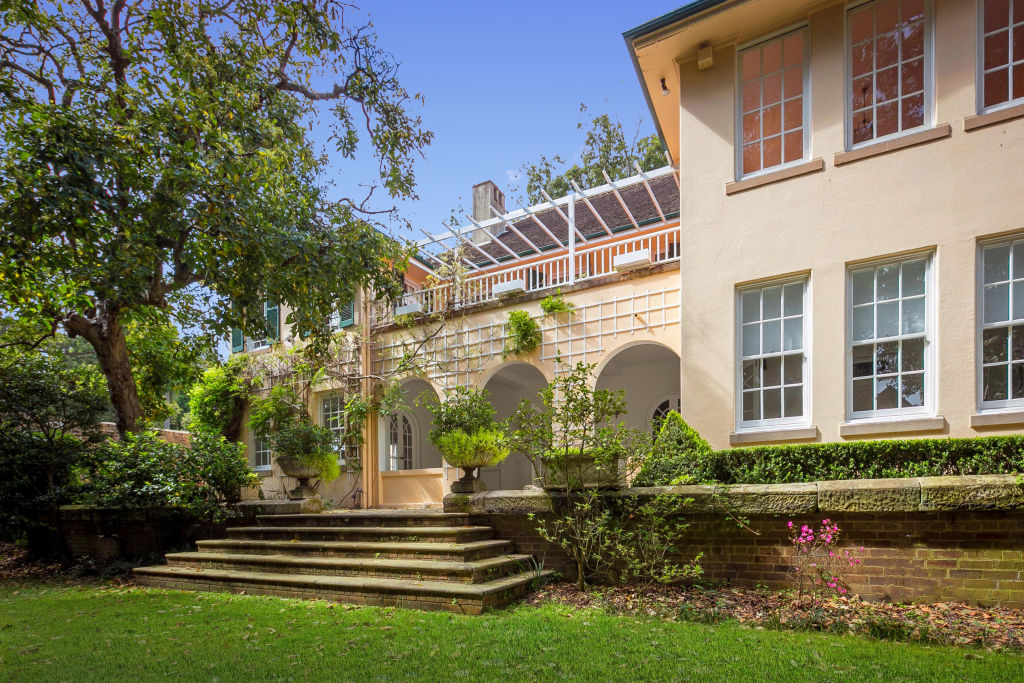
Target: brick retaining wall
[(107, 534), (928, 539)]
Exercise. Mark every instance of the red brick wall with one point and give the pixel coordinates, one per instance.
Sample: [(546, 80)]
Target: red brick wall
[(175, 436), (974, 557)]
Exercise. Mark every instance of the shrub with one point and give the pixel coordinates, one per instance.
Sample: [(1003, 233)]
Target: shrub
[(556, 303), (217, 401), (856, 460), (679, 451), (524, 334), (464, 409), (480, 448)]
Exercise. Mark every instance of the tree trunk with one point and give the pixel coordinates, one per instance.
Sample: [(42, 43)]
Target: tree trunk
[(108, 339)]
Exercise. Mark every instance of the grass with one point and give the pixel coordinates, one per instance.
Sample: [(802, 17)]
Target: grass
[(51, 631)]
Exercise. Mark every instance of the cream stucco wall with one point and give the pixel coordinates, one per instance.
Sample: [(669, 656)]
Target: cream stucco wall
[(939, 196)]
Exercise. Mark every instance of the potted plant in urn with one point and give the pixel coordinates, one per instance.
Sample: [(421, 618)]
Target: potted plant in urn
[(302, 449), (466, 434)]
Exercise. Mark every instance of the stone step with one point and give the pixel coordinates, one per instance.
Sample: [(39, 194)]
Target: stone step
[(363, 518), (433, 595), (459, 552), (413, 569), (438, 534)]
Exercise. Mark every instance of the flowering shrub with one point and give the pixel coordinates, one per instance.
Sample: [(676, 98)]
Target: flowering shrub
[(819, 564)]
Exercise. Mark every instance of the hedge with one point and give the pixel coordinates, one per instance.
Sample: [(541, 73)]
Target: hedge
[(848, 460)]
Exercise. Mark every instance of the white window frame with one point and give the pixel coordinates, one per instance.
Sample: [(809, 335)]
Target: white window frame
[(345, 452), (392, 457), (929, 383), (255, 460), (981, 325), (738, 101), (252, 344), (979, 78), (762, 424), (928, 120)]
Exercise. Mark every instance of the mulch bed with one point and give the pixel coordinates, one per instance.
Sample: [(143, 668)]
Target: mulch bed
[(943, 623), (16, 563)]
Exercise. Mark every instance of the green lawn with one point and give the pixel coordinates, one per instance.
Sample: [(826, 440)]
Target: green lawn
[(59, 632)]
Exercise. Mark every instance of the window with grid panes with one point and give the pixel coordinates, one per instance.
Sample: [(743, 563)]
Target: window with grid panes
[(332, 416), (1002, 324), (889, 337), (889, 53), (771, 103), (399, 443), (260, 453), (772, 355), (1001, 48)]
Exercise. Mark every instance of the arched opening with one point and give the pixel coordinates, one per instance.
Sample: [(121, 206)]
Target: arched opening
[(649, 373), (404, 434), (507, 388)]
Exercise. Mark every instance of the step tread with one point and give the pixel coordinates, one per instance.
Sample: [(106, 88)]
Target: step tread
[(381, 530), (382, 546), (372, 514), (367, 584), (346, 562)]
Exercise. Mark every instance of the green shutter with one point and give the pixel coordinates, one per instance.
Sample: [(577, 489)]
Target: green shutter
[(347, 314), (273, 323), (237, 340)]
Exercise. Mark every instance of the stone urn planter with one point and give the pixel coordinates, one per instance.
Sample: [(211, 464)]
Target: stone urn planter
[(468, 482), (579, 471), (291, 466)]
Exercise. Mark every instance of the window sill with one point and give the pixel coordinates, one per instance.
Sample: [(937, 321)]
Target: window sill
[(943, 130), (774, 435), (775, 176), (873, 427), (998, 116), (997, 419), (264, 471)]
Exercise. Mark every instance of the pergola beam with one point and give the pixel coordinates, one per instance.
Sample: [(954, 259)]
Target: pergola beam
[(590, 206), (619, 197), (543, 227), (493, 237), (463, 239), (434, 240), (650, 192), (561, 213), (512, 227)]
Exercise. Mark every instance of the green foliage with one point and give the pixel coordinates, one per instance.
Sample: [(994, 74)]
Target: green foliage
[(217, 401), (143, 471), (647, 539), (854, 460), (464, 409), (556, 303), (605, 148), (480, 448), (679, 451), (524, 334), (282, 416)]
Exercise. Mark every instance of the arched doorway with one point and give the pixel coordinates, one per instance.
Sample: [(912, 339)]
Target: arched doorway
[(511, 384), (404, 434), (649, 373)]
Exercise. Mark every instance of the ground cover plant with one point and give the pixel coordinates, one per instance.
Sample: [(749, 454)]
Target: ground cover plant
[(97, 632)]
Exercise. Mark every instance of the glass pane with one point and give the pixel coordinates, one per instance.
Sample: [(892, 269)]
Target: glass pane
[(913, 41), (994, 381), (863, 286), (794, 296), (862, 395), (887, 358), (888, 319), (1017, 379), (772, 336), (772, 151), (913, 75), (794, 334), (793, 372), (886, 393), (997, 87), (772, 57), (751, 339), (997, 14), (1018, 247), (863, 323), (913, 111), (997, 263), (889, 282), (862, 24), (913, 316), (751, 64), (863, 59), (772, 404), (794, 146), (751, 405), (773, 371), (863, 125), (793, 398), (793, 114), (772, 302), (752, 158), (751, 96), (1018, 300), (887, 85), (772, 120), (751, 374), (997, 49), (913, 355), (793, 49), (912, 391), (913, 278), (751, 303), (994, 345), (752, 127), (887, 118), (1017, 343), (793, 82), (997, 303), (863, 360)]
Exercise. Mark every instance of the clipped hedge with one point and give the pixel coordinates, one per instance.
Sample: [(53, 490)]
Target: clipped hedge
[(852, 460)]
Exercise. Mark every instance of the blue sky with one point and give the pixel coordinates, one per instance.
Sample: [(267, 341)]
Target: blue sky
[(503, 83)]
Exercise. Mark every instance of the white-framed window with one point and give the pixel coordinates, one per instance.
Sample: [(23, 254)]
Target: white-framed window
[(889, 63), (771, 374), (1000, 53), (260, 452), (400, 440), (334, 418), (662, 408), (772, 106), (1001, 298), (890, 338), (268, 335)]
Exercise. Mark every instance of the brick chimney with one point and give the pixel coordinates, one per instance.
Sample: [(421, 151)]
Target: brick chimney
[(486, 195)]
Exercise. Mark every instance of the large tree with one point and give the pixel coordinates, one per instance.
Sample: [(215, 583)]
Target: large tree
[(156, 162)]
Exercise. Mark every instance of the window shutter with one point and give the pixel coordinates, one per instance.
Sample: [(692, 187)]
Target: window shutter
[(346, 314), (237, 340), (273, 323)]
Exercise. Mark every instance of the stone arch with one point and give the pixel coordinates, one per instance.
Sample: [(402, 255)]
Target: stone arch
[(507, 385), (649, 373)]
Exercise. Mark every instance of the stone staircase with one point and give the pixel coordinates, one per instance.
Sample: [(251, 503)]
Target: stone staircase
[(406, 558)]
